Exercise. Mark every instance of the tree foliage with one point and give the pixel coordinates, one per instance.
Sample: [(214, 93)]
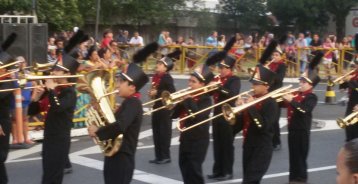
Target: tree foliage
[(302, 15), (243, 14)]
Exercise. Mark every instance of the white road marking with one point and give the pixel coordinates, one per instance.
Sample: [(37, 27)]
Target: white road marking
[(278, 174)]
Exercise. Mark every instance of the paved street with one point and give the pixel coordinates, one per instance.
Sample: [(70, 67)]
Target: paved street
[(24, 166)]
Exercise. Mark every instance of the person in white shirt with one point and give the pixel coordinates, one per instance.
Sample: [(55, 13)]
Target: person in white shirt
[(136, 40)]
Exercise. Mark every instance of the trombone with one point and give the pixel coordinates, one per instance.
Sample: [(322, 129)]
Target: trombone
[(11, 64), (13, 89), (349, 120), (206, 109), (158, 99), (279, 96), (169, 100), (230, 112), (341, 78)]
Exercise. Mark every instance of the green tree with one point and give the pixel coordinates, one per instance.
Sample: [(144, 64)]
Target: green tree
[(242, 14), (340, 10), (300, 14)]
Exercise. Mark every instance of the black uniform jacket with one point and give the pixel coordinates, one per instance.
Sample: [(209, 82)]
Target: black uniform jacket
[(280, 70), (230, 88), (265, 116), (166, 84), (189, 106), (352, 86), (300, 117), (128, 122), (5, 100), (60, 114)]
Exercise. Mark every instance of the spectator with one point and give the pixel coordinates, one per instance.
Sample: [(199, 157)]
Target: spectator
[(92, 62), (308, 38), (315, 44), (221, 41), (191, 53), (347, 163), (212, 39), (107, 38), (106, 57), (347, 55), (328, 56), (51, 54), (136, 40), (301, 44), (180, 41), (168, 39)]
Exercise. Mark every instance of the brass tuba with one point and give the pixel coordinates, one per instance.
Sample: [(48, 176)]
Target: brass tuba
[(100, 113)]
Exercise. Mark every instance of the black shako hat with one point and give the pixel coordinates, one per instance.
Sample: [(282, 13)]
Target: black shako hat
[(223, 57), (134, 74), (203, 74), (262, 75), (68, 61), (311, 73), (6, 58), (170, 59)]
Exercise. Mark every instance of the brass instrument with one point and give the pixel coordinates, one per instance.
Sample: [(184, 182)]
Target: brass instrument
[(349, 120), (230, 112), (170, 100), (341, 78), (279, 96), (100, 112), (11, 64), (158, 99), (43, 67), (13, 89), (206, 109)]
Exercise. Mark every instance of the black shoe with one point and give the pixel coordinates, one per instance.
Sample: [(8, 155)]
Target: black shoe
[(68, 170), (164, 161), (277, 147), (225, 177), (153, 161), (214, 176)]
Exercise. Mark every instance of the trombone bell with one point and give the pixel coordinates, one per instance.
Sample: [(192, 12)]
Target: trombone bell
[(229, 114)]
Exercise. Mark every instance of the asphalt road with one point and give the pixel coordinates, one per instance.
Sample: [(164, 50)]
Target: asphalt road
[(24, 166)]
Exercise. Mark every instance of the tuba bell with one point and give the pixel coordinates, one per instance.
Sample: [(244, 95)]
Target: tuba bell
[(100, 113)]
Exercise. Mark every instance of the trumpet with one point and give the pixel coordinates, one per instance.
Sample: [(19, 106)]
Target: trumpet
[(341, 78), (349, 120), (230, 112), (13, 89), (170, 100), (206, 109)]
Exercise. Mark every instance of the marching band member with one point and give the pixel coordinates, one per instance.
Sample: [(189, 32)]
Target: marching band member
[(194, 143), (256, 124), (119, 168), (222, 131), (161, 122), (57, 133), (351, 82), (278, 66), (5, 101), (5, 123), (299, 117)]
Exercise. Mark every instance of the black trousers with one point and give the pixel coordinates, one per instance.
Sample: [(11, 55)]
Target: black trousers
[(191, 157), (256, 161), (223, 147), (276, 140), (54, 156), (351, 132), (4, 150), (162, 133), (298, 145), (118, 169)]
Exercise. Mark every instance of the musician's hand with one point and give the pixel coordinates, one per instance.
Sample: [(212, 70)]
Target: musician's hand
[(37, 93), (92, 129), (2, 133), (50, 84), (287, 97), (249, 98), (116, 107), (240, 101), (355, 108)]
